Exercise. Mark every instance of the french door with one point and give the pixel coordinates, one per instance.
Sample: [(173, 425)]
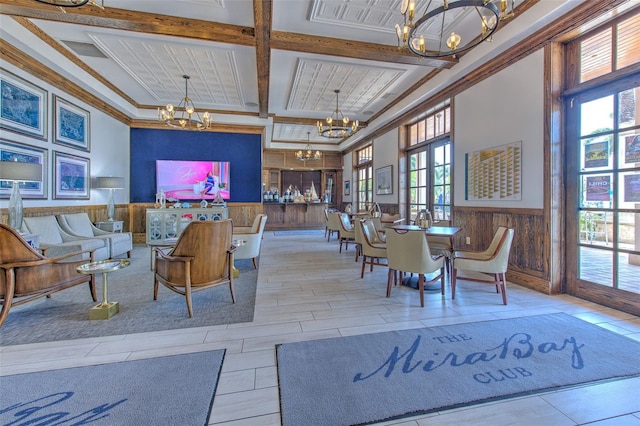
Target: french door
[(603, 195)]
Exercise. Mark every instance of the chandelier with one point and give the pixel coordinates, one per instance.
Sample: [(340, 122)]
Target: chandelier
[(72, 3), (337, 125), (452, 28), (184, 116), (307, 154)]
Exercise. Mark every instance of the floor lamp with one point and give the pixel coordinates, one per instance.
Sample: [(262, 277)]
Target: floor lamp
[(110, 183), (18, 172)]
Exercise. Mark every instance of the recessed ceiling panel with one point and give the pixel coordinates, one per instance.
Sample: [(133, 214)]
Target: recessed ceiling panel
[(372, 15), (314, 84), (158, 66)]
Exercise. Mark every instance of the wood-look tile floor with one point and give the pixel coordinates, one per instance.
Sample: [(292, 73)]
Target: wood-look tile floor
[(307, 290)]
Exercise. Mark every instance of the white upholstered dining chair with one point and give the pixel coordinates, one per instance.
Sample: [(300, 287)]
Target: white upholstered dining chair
[(493, 261), (408, 251)]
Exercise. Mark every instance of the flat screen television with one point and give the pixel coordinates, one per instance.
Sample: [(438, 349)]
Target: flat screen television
[(193, 180)]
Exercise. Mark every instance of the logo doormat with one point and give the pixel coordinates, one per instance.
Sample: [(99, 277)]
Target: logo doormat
[(374, 377)]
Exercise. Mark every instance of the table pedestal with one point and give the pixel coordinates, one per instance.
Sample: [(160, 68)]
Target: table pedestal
[(105, 309)]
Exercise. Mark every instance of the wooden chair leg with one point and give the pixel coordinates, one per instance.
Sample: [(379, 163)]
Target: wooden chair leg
[(155, 287), (255, 263), (503, 288), (453, 282), (364, 260), (442, 279), (391, 272), (187, 294), (421, 287)]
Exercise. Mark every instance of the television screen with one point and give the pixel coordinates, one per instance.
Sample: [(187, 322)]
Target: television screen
[(193, 180)]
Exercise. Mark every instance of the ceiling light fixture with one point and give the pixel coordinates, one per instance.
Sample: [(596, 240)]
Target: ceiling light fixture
[(337, 125), (188, 117), (452, 28), (307, 154), (72, 3)]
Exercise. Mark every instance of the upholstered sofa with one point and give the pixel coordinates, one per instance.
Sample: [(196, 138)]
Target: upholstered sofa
[(79, 225), (55, 242)]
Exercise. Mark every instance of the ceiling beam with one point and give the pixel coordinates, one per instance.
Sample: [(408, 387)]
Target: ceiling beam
[(262, 17), (353, 49), (128, 20), (121, 19)]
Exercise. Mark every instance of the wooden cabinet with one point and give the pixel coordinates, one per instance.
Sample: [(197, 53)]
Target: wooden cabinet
[(165, 224)]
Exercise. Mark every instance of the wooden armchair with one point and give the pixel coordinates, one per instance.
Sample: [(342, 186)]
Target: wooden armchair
[(202, 258), (26, 275)]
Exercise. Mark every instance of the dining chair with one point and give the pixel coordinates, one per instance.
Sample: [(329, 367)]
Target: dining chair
[(346, 232), (493, 261), (408, 251), (373, 249), (333, 224), (442, 245), (202, 258)]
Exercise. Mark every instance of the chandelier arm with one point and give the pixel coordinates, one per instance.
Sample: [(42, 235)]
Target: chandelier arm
[(64, 3)]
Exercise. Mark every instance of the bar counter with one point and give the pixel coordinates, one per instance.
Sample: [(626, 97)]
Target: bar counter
[(294, 215)]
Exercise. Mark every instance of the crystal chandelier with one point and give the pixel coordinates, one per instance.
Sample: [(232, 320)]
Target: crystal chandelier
[(308, 154), (184, 116), (452, 28), (337, 125)]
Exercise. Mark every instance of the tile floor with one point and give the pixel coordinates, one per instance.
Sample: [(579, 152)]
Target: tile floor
[(307, 290)]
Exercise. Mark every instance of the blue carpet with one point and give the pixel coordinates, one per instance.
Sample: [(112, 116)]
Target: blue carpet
[(383, 376), (170, 390)]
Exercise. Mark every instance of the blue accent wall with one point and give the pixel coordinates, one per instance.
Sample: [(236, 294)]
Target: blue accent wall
[(243, 151)]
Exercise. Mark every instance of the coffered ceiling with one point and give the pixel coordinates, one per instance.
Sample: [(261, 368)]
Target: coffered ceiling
[(270, 63)]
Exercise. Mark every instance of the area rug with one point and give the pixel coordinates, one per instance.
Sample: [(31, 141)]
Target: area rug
[(66, 314), (383, 376), (172, 390)]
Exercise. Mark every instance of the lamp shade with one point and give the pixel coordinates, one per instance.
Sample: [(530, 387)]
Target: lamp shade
[(109, 182), (21, 172)]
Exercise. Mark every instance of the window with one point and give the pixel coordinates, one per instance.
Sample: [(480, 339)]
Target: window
[(610, 49), (364, 172), (429, 164)]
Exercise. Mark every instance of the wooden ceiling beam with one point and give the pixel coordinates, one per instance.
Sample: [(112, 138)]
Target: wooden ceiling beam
[(149, 23), (128, 20), (262, 16), (353, 49)]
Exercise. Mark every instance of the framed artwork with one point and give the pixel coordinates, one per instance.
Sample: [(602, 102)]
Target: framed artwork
[(10, 151), (347, 187), (384, 180), (23, 106), (72, 125), (494, 174), (71, 177)]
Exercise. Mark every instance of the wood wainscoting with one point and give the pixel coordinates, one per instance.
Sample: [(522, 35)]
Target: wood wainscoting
[(134, 215), (529, 261)]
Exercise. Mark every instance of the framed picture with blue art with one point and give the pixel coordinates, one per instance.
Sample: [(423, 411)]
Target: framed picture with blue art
[(11, 151), (72, 125), (71, 177), (23, 106)]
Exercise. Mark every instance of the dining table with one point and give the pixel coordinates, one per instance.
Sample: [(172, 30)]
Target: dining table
[(432, 231)]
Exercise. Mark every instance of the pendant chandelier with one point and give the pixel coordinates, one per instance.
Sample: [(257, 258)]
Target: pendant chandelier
[(452, 28), (72, 3), (337, 125), (308, 154), (184, 116)]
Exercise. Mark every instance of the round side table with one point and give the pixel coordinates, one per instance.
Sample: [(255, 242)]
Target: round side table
[(105, 309)]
